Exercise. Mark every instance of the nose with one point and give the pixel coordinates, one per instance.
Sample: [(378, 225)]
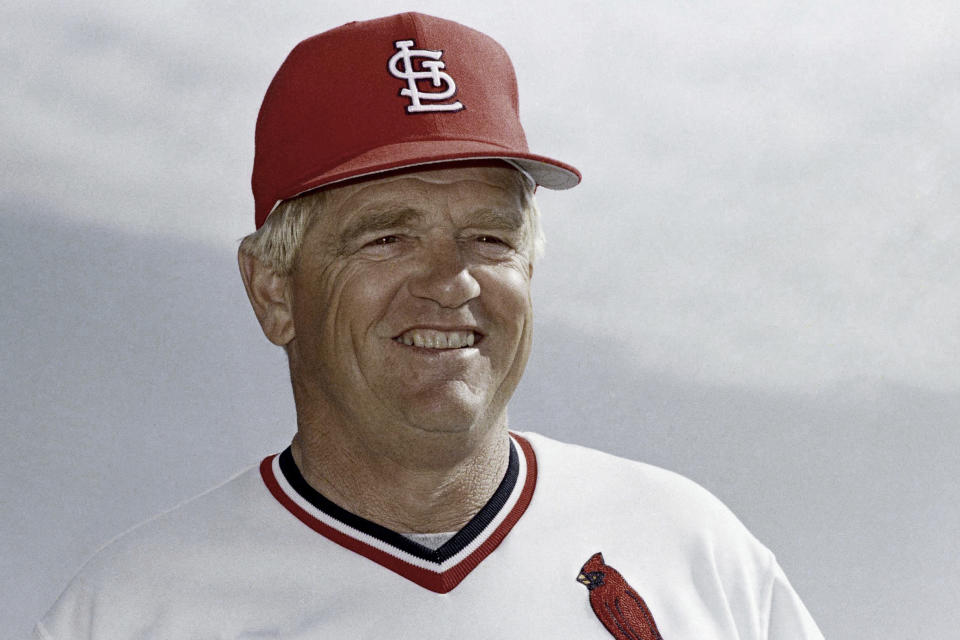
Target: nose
[(444, 277)]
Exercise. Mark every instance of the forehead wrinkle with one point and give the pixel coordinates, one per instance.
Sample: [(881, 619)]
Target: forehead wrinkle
[(510, 219)]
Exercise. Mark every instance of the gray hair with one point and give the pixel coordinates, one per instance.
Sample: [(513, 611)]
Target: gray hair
[(276, 243)]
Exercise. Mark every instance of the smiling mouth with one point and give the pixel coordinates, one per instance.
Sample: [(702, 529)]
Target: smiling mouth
[(435, 339)]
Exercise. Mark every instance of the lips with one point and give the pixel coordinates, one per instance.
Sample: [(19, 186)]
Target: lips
[(439, 339)]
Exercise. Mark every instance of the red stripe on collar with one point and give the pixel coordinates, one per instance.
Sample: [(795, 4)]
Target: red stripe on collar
[(436, 581)]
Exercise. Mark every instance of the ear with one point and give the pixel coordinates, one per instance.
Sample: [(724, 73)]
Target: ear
[(269, 296)]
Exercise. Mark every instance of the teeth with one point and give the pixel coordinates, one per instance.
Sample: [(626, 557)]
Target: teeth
[(433, 339)]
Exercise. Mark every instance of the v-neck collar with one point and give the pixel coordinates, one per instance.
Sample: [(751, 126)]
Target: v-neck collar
[(438, 570)]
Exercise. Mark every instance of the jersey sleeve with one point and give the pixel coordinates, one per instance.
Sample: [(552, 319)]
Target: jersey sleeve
[(788, 618), (71, 617)]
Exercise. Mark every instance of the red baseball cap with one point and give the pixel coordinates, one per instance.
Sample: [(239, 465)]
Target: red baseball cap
[(385, 94)]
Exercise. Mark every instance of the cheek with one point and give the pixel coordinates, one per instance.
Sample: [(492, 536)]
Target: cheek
[(362, 296), (507, 297), (512, 285), (509, 302), (325, 301)]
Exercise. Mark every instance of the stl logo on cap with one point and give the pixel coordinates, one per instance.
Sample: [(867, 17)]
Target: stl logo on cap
[(431, 71)]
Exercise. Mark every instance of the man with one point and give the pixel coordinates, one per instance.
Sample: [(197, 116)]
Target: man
[(397, 233)]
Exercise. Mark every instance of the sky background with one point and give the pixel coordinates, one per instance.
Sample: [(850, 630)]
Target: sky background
[(757, 284)]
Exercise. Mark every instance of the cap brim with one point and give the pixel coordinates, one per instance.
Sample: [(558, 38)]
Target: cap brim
[(547, 172)]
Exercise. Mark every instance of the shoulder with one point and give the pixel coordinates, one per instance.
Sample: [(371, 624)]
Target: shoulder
[(629, 498), (168, 562), (601, 475), (186, 535)]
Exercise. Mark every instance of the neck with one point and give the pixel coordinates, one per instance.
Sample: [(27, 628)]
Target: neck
[(427, 482)]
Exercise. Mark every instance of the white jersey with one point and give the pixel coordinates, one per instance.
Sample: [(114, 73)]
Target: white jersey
[(266, 556)]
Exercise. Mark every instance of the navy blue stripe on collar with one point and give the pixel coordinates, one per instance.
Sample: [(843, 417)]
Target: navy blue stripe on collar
[(457, 543)]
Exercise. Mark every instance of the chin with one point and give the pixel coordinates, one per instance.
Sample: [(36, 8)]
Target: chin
[(447, 420), (443, 414)]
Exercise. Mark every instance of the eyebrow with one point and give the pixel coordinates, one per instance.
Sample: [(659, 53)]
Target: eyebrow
[(508, 219), (378, 220)]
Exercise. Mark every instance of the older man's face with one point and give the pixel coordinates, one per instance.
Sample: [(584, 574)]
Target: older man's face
[(411, 303)]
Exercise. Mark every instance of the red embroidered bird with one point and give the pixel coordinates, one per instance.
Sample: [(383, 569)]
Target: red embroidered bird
[(621, 609)]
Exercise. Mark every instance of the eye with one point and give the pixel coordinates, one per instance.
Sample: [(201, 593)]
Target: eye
[(493, 246), (381, 247), (385, 240)]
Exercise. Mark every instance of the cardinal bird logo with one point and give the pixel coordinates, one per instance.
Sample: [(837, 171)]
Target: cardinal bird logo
[(621, 609)]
